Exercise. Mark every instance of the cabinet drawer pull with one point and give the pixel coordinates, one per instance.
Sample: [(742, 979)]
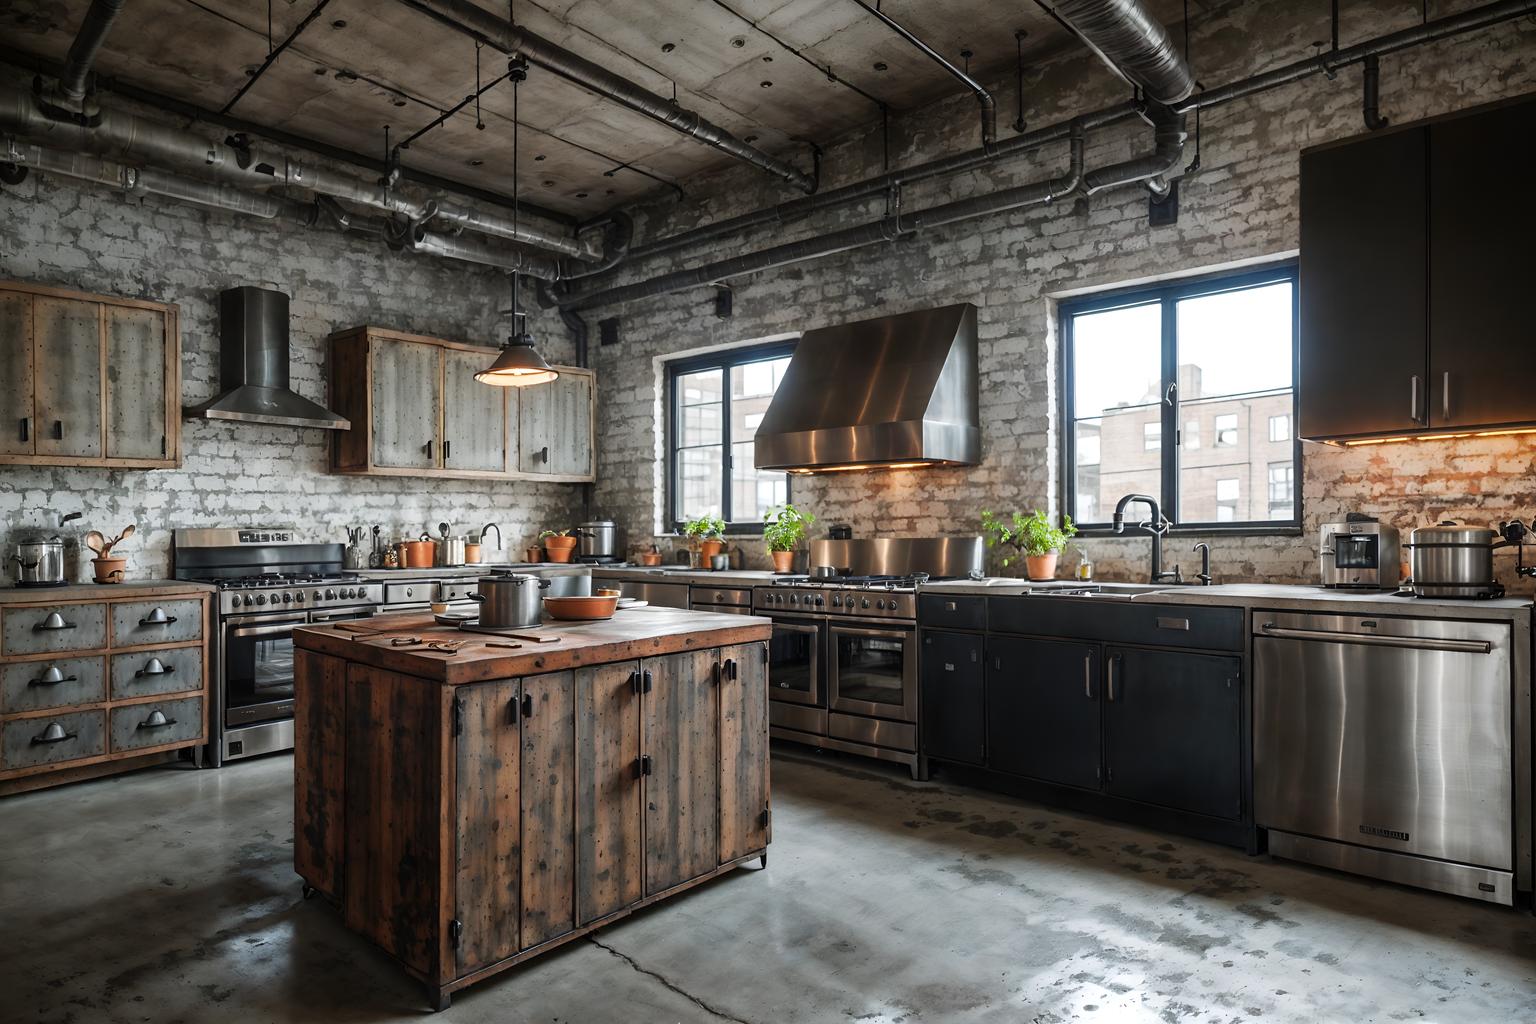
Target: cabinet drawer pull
[(58, 430), (646, 764), (544, 455), (53, 734), (156, 720), (1445, 396), (52, 677), (1413, 398), (447, 450), (26, 428), (1088, 676), (157, 618), (527, 705), (155, 667), (1167, 623), (1109, 674), (53, 623), (645, 681)]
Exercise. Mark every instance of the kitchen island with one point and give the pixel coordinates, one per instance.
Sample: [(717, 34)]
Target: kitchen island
[(472, 808)]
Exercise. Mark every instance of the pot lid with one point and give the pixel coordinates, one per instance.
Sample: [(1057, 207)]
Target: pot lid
[(1449, 533), (509, 577), (36, 536)]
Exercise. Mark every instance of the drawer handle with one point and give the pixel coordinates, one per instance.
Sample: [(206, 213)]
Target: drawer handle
[(156, 720), (53, 623), (52, 677), (1164, 623), (53, 734), (157, 618), (156, 667)]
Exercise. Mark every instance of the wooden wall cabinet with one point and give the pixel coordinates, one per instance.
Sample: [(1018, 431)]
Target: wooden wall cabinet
[(88, 380), (416, 410), (1414, 268)]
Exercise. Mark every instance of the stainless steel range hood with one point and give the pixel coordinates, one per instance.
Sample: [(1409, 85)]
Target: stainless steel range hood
[(888, 393), (253, 366)]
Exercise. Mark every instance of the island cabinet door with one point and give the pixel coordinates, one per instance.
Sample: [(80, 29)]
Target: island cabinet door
[(549, 807), (743, 751), (488, 823), (680, 767), (609, 858)]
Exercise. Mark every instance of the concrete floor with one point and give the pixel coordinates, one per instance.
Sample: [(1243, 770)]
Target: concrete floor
[(168, 896)]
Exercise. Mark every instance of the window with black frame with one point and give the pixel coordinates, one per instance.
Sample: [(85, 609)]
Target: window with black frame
[(1185, 392), (715, 403)]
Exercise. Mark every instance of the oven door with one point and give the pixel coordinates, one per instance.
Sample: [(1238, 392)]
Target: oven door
[(256, 669), (794, 661), (872, 671)]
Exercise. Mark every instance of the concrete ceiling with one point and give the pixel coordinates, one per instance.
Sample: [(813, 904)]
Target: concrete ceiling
[(364, 64)]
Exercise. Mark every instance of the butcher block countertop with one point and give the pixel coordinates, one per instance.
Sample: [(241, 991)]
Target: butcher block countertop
[(146, 589), (630, 634)]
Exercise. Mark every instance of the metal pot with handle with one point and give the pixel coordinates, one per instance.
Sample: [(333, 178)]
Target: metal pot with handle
[(39, 561), (1452, 559), (510, 600)]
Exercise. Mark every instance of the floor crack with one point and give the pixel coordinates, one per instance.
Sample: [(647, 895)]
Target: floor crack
[(701, 1004)]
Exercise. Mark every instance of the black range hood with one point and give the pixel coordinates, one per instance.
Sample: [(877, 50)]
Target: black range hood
[(253, 366)]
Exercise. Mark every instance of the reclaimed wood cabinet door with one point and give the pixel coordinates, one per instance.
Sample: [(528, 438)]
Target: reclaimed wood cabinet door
[(474, 415), (17, 425), (744, 815), (137, 383), (488, 823), (407, 404), (609, 858), (549, 807), (680, 762), (555, 426), (67, 386)]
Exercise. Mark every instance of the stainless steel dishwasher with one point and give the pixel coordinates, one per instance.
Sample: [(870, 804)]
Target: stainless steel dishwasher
[(1388, 747)]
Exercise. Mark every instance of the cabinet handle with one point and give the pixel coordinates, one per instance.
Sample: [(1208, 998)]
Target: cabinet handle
[(1413, 398), (26, 428), (645, 681), (646, 764), (155, 667), (156, 721), (527, 705), (429, 451), (1445, 396), (544, 455), (1109, 672), (1170, 623), (53, 623), (58, 430), (52, 677), (447, 450), (53, 734), (157, 618), (1088, 676), (634, 681)]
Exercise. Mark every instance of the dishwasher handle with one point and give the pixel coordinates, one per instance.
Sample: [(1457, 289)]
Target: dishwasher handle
[(1371, 640)]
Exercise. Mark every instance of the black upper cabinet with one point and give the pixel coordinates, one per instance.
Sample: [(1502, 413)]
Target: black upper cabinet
[(1364, 253), (1482, 223), (954, 715), (1415, 277), (1043, 710)]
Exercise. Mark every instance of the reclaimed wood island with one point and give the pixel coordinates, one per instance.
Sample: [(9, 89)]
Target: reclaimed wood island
[(469, 809)]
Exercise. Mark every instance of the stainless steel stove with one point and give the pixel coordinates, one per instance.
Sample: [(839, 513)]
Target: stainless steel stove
[(270, 581), (872, 597)]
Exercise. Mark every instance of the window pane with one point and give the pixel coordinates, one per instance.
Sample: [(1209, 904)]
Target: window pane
[(753, 491), (698, 482), (1234, 343), (699, 388), (1279, 428), (1117, 384), (1192, 434), (698, 424)]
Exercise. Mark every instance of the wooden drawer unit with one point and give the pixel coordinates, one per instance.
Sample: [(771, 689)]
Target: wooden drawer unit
[(45, 629), (156, 622), (52, 683), (145, 673), (33, 742), (135, 726)]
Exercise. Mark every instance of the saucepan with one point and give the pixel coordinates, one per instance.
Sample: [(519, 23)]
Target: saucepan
[(510, 600)]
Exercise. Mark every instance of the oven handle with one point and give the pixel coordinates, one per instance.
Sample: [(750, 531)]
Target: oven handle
[(269, 629), (890, 634), (1370, 640), (338, 616)]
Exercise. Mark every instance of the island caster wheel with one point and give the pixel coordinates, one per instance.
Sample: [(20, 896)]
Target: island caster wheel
[(308, 891)]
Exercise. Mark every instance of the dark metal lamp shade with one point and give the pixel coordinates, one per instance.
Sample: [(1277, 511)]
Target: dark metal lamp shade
[(518, 365)]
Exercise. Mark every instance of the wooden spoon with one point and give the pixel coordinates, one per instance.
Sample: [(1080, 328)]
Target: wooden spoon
[(127, 532), (96, 541)]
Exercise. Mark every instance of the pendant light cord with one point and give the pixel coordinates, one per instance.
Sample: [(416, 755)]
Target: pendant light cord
[(516, 204)]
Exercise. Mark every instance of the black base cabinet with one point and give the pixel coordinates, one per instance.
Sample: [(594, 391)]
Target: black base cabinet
[(1093, 717)]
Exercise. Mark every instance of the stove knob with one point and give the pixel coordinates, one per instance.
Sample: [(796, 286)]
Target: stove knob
[(793, 599), (287, 597), (318, 595), (261, 598), (880, 604), (820, 601), (836, 601), (344, 593), (330, 595), (248, 601), (866, 602), (299, 597)]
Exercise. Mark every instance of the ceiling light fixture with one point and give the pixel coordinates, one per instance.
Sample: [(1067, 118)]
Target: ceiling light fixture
[(519, 363)]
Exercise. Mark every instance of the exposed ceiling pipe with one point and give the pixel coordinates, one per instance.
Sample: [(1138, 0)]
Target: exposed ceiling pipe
[(1132, 42), (82, 52), (1168, 136), (134, 138), (884, 230), (988, 105), (459, 247), (478, 23)]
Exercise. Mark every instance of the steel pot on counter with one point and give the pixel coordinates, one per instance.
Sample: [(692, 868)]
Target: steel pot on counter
[(1452, 559), (510, 600), (599, 539), (38, 561)]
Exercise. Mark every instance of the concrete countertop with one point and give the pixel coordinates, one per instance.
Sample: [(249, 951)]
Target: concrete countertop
[(128, 589), (698, 577), (1279, 597), (443, 572)]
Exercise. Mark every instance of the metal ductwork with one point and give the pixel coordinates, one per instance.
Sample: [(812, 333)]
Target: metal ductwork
[(1130, 40), (82, 52), (1168, 136), (129, 137), (416, 238), (492, 30), (984, 98), (905, 395)]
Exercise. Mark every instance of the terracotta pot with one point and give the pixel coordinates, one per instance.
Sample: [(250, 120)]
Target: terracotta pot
[(650, 558), (783, 561), (560, 549), (471, 552), (709, 549), (534, 553), (110, 570), (1041, 567)]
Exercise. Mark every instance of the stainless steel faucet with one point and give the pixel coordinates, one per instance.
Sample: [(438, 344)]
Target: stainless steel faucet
[(1157, 525), (488, 527), (1204, 575)]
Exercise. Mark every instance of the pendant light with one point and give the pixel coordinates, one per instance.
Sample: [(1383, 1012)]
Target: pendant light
[(519, 363)]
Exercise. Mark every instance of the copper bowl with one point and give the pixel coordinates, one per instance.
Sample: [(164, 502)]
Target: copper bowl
[(589, 608)]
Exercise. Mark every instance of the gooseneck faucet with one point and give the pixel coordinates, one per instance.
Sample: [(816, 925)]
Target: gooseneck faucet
[(1156, 526), (1204, 575), (487, 529)]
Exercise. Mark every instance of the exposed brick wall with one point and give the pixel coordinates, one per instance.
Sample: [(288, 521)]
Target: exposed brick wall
[(55, 233), (1242, 206)]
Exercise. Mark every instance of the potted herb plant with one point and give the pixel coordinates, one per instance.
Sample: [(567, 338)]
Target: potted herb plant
[(559, 545), (1032, 536), (783, 529), (707, 532)]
